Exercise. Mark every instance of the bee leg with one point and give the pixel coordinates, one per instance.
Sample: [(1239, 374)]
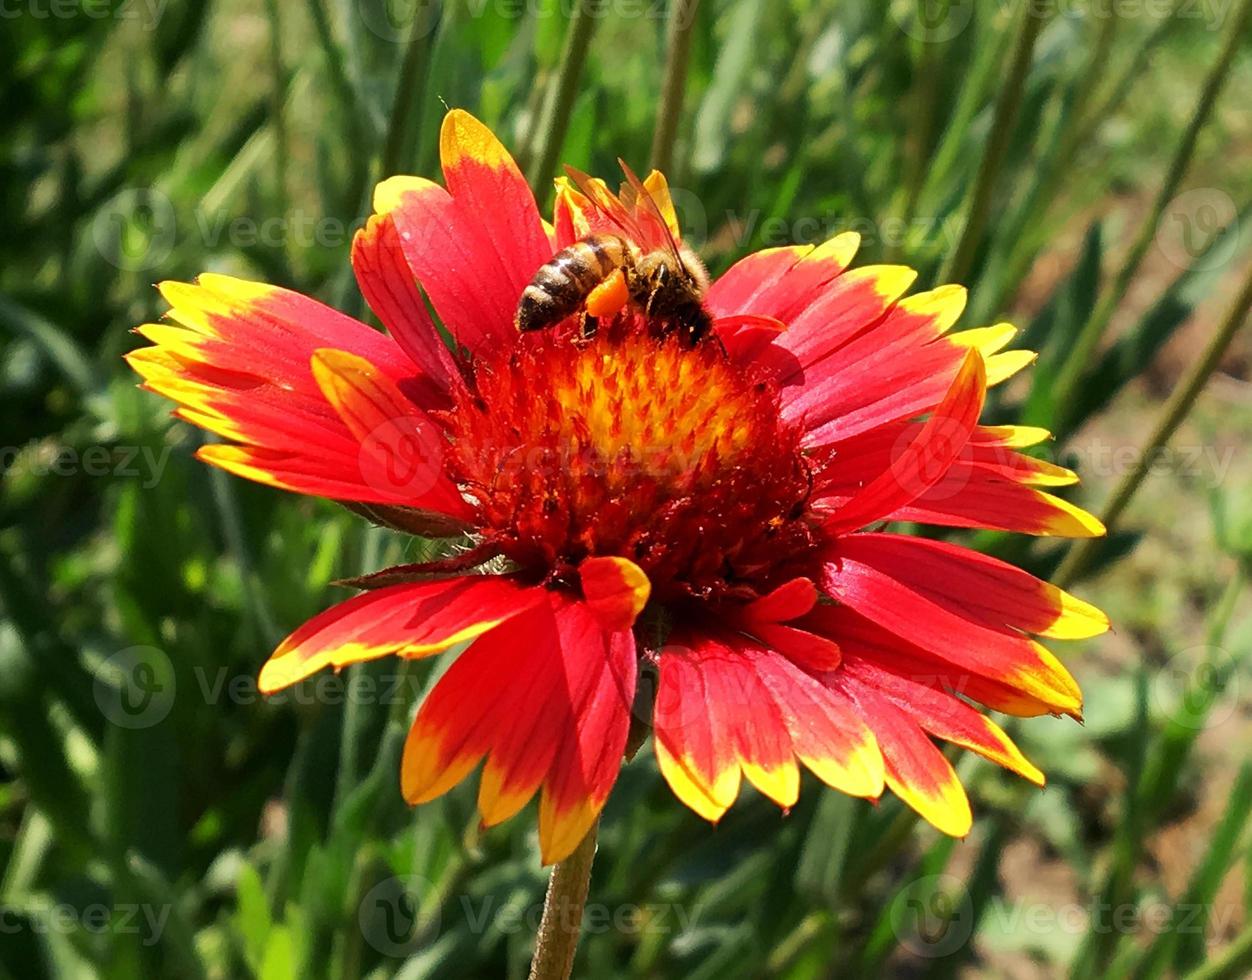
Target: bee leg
[(588, 326), (610, 296)]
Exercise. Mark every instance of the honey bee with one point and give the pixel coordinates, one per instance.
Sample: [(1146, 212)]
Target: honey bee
[(666, 284)]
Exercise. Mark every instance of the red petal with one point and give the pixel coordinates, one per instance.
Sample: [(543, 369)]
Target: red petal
[(725, 707), (746, 336), (391, 291), (455, 265), (924, 460), (969, 496), (546, 699), (790, 600), (855, 577), (865, 386), (401, 453), (981, 588), (493, 198), (916, 771), (415, 619), (691, 725), (861, 639), (781, 282), (615, 589), (588, 760), (239, 365), (945, 716)]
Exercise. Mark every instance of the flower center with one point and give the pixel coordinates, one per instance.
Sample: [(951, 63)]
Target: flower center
[(635, 445)]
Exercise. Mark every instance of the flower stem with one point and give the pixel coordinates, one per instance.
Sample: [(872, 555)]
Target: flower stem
[(962, 260), (563, 912), (560, 100), (682, 16), (1079, 360), (1172, 415), (405, 105), (1234, 962)]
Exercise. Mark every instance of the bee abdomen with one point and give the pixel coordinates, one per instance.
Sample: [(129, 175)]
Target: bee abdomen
[(562, 284)]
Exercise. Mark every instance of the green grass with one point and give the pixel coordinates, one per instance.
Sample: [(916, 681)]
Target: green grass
[(159, 818)]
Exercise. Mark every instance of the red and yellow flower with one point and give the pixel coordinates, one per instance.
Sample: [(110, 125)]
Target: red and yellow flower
[(651, 534)]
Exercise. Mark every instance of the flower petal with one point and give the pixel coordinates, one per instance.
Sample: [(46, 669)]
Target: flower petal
[(494, 198), (916, 771), (455, 265), (926, 458), (476, 245), (847, 307), (401, 450), (588, 760), (969, 496), (691, 728), (239, 364), (860, 639), (727, 708), (615, 589), (860, 575), (391, 292), (415, 619), (944, 716), (791, 600), (781, 282), (546, 699), (989, 591)]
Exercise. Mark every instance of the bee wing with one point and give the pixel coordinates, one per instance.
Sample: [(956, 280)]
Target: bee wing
[(640, 195), (607, 204)]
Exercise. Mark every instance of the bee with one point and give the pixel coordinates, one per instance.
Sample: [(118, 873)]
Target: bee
[(666, 284)]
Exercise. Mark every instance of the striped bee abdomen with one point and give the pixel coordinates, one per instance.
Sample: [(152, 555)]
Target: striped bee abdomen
[(562, 284)]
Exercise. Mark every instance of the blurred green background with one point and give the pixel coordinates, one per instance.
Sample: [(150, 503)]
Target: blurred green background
[(1085, 166)]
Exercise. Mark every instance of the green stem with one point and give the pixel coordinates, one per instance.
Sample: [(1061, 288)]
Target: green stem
[(556, 111), (557, 940), (1234, 963), (278, 119), (412, 74), (682, 15), (923, 102), (887, 846), (962, 260), (1015, 247), (1080, 357), (1172, 415)]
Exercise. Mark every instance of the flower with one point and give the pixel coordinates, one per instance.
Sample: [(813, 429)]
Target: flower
[(654, 530)]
